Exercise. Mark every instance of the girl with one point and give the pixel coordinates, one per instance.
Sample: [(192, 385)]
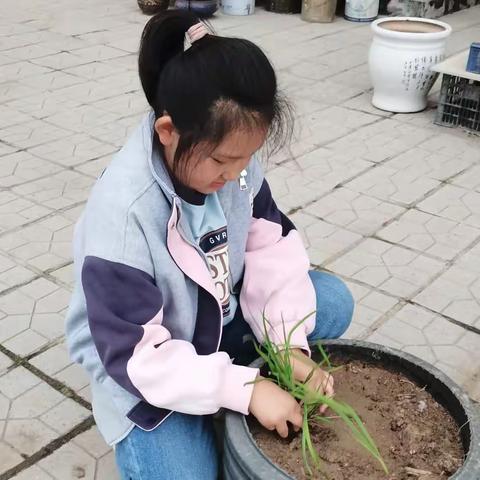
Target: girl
[(180, 250)]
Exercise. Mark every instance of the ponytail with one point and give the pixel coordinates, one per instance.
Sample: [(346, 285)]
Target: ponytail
[(162, 39)]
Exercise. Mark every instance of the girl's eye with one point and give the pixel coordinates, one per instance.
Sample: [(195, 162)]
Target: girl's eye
[(216, 160)]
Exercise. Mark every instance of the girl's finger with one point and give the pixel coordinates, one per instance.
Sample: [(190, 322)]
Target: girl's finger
[(328, 386), (296, 419), (329, 392), (282, 429)]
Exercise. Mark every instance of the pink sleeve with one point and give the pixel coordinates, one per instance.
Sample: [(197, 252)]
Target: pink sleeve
[(276, 280), (170, 374)]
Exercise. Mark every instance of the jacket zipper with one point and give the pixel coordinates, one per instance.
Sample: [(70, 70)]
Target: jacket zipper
[(243, 180)]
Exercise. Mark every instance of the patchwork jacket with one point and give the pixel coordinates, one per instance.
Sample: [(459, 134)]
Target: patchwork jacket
[(144, 319)]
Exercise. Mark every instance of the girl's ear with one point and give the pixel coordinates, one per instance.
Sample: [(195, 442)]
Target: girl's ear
[(165, 130)]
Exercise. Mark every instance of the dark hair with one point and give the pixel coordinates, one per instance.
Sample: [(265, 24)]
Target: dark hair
[(216, 86)]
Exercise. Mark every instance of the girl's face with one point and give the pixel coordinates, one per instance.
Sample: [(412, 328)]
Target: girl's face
[(207, 173)]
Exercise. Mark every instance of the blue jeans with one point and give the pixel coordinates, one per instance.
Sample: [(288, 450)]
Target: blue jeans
[(183, 447)]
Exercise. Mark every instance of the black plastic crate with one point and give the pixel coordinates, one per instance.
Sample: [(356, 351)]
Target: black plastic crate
[(459, 103)]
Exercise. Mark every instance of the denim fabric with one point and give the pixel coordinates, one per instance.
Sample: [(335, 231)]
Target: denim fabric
[(183, 447)]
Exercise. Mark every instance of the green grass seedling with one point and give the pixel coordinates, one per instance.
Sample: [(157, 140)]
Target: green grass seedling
[(277, 359)]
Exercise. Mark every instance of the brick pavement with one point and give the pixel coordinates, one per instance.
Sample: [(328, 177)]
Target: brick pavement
[(389, 202)]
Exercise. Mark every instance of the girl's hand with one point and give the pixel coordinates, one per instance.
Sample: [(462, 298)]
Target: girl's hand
[(320, 381), (274, 407)]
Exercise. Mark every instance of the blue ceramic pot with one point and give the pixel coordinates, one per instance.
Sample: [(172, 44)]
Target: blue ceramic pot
[(202, 8)]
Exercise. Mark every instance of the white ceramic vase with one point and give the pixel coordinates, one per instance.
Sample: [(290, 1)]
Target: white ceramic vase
[(402, 51), (238, 7)]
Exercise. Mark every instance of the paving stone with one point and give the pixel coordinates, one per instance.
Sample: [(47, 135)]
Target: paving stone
[(429, 336), (52, 80), (323, 240), (334, 122), (27, 436), (358, 77), (32, 473), (331, 92), (69, 98), (381, 140), (363, 103), (390, 268), (4, 408), (73, 150), (45, 104), (64, 416), (17, 381), (99, 53), (94, 168), (6, 149), (92, 91), (75, 377), (12, 274), (354, 211), (304, 106), (430, 163), (35, 402), (25, 342), (5, 363), (37, 413), (11, 116), (53, 360), (56, 363), (332, 63), (456, 293), (43, 245), (59, 61), (65, 275), (454, 203), (470, 179), (30, 134), (93, 443), (448, 144), (386, 182), (309, 176), (10, 457), (86, 394), (300, 145), (67, 42), (69, 462), (10, 42), (84, 119), (10, 91), (129, 103), (32, 316), (5, 60), (370, 307), (107, 468), (117, 133), (128, 62), (21, 167), (94, 70), (64, 189), (422, 119), (430, 234), (29, 52), (291, 189)]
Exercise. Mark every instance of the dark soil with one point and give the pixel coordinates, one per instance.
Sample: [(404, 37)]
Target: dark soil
[(416, 436)]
